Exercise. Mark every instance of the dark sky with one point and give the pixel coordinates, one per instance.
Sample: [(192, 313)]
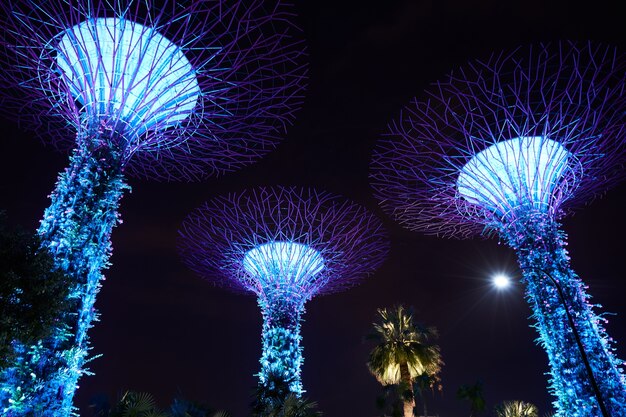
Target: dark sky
[(164, 330)]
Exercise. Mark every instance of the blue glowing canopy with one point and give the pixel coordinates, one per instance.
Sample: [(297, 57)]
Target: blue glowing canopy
[(125, 72), (283, 263), (517, 172)]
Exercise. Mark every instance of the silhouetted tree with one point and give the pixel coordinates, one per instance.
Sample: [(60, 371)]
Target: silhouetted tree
[(516, 409), (473, 394), (32, 293)]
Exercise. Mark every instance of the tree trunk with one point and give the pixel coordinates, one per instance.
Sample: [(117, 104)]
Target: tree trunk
[(406, 385), (282, 354), (76, 229), (553, 288)]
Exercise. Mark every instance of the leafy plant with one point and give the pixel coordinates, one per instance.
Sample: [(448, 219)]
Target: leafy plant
[(473, 394), (33, 294), (137, 404), (405, 353), (273, 399), (516, 409)]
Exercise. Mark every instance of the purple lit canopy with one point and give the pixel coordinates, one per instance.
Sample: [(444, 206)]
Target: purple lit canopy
[(286, 245), (186, 89), (344, 239)]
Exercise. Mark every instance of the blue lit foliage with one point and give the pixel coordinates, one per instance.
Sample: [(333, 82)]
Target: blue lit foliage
[(282, 272), (540, 247), (76, 228)]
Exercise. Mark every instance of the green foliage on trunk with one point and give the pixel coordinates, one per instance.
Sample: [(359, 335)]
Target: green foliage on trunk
[(274, 399)]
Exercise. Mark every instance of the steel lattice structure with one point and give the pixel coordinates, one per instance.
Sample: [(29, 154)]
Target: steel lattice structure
[(286, 245), (508, 146), (236, 69), (165, 90)]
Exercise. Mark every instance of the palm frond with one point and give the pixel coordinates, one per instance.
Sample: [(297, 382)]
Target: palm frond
[(402, 341), (517, 409)]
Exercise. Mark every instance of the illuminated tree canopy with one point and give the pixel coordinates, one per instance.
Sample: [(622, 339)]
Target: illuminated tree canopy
[(563, 100), (285, 245), (509, 146)]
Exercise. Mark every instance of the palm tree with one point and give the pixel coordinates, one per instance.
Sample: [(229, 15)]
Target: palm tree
[(474, 394), (517, 409), (295, 406), (136, 404), (33, 296), (405, 351), (273, 399)]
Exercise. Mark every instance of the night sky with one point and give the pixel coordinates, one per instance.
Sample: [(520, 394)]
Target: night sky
[(164, 330)]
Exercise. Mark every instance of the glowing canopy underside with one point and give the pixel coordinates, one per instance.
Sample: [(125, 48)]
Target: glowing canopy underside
[(283, 264), (516, 172), (122, 71)]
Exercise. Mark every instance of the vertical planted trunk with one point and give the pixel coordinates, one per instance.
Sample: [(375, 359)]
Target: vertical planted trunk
[(281, 358), (560, 306), (76, 229)]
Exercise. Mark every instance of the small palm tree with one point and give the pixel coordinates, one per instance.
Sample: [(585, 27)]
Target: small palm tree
[(294, 406), (221, 413), (136, 404), (517, 409), (473, 394), (141, 404), (273, 399), (405, 351), (182, 407)]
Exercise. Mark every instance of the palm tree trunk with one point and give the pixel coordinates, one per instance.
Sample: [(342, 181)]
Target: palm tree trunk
[(407, 384)]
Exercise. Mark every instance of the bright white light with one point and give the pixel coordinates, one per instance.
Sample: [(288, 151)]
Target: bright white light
[(514, 172), (501, 281), (283, 262), (127, 72)]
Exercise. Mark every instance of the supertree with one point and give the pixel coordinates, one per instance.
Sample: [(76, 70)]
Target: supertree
[(157, 89), (509, 146), (285, 245)]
